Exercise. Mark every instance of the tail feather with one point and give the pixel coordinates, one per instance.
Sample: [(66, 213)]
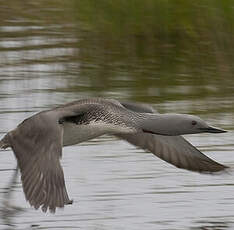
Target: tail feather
[(4, 142)]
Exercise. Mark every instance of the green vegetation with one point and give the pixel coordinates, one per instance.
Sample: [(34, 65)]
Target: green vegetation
[(159, 43), (145, 49)]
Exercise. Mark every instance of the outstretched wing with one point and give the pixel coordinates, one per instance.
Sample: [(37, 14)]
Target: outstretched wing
[(37, 144), (173, 149)]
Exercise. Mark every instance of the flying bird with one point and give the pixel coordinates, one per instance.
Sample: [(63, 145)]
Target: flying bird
[(37, 142)]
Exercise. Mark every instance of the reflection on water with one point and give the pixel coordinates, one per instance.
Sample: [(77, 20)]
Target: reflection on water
[(213, 225), (176, 55), (8, 211)]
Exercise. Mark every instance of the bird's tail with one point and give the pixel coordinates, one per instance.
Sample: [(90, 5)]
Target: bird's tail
[(4, 142)]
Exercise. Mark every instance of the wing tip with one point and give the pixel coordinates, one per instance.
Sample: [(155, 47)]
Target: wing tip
[(51, 208), (218, 170), (215, 169)]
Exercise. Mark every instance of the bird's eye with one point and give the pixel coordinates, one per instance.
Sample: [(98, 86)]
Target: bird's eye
[(194, 122)]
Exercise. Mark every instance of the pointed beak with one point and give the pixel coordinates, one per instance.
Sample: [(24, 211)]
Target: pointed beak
[(211, 129)]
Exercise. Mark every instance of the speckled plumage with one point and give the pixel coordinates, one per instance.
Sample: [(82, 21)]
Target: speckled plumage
[(37, 142)]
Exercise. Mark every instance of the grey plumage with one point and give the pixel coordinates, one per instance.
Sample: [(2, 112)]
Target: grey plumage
[(172, 149), (37, 142)]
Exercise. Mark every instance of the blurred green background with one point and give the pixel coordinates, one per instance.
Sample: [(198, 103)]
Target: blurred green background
[(152, 50)]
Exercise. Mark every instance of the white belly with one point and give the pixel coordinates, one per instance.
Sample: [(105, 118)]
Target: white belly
[(74, 134)]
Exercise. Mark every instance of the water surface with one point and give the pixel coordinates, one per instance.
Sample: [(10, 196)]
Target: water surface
[(54, 52)]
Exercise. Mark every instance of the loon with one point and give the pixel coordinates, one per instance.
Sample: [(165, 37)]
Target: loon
[(37, 142)]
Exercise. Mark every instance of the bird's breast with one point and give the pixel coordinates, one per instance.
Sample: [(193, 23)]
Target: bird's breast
[(75, 134)]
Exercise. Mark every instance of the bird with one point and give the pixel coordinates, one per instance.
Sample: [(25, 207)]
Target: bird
[(37, 142)]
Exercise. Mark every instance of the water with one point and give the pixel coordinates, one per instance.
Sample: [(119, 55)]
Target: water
[(55, 52)]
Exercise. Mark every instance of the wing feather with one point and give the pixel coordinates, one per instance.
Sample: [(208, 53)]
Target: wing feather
[(37, 144), (173, 149)]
